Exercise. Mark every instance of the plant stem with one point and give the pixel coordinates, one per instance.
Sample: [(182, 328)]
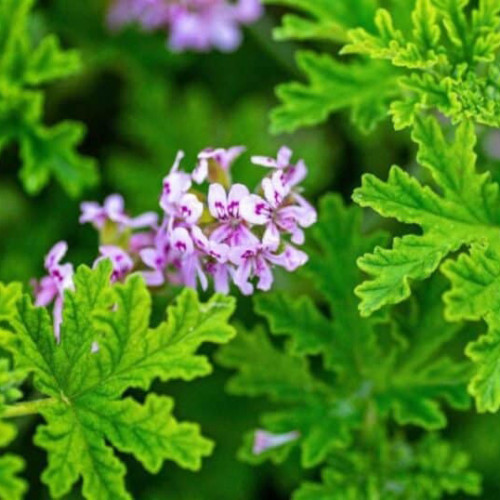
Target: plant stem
[(26, 408)]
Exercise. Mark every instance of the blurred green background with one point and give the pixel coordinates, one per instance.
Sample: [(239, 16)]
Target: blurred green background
[(141, 104)]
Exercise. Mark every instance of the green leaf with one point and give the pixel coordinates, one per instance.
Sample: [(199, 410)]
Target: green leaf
[(9, 295), (309, 329), (443, 58), (49, 62), (52, 152), (24, 66), (376, 371), (438, 56), (11, 485), (312, 409), (324, 19), (287, 379), (428, 470), (465, 213), (473, 296), (365, 88), (85, 413)]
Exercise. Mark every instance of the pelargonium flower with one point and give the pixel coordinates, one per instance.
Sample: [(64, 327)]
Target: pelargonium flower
[(223, 159), (121, 260), (192, 24), (50, 289), (278, 213), (291, 174), (113, 210), (175, 185), (214, 256), (254, 261), (265, 441), (156, 258), (225, 208)]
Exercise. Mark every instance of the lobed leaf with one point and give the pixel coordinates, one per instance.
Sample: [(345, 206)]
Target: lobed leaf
[(106, 348), (464, 214), (25, 65), (365, 88)]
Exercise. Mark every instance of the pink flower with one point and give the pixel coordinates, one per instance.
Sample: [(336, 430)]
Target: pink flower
[(161, 260), (214, 256), (223, 157), (276, 212), (193, 24), (292, 258), (175, 184), (121, 260), (280, 162), (202, 24), (151, 14), (187, 248), (191, 267), (51, 288), (265, 441), (139, 241), (253, 261), (291, 175), (175, 199), (232, 229), (113, 210)]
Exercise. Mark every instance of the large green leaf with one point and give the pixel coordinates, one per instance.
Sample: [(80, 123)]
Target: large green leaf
[(106, 348), (465, 212)]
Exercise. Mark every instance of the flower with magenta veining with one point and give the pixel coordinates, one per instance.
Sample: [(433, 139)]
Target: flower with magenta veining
[(277, 212), (50, 289), (225, 208), (254, 261), (121, 261), (214, 256), (113, 210), (221, 158)]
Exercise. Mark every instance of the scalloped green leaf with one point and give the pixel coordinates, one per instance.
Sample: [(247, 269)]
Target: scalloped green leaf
[(465, 212), (25, 64), (107, 348), (363, 87)]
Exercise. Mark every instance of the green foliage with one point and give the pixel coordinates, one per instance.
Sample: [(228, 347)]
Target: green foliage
[(26, 64), (324, 19), (473, 296), (12, 487), (85, 408), (446, 59), (364, 87), (374, 371), (428, 470), (463, 212), (442, 57)]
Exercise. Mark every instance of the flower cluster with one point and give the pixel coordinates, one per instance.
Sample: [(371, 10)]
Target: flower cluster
[(192, 24), (223, 232)]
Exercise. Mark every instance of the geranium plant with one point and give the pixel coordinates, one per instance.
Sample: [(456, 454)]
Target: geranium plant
[(353, 348)]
